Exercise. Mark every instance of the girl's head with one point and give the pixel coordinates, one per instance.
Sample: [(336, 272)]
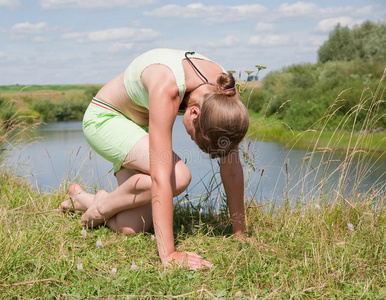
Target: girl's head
[(219, 121)]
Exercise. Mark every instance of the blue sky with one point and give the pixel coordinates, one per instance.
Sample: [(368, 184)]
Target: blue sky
[(91, 41)]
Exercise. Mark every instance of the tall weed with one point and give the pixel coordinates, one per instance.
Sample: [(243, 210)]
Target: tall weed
[(13, 126)]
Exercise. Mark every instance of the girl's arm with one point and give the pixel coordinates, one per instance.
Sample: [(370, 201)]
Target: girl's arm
[(164, 103), (232, 177)]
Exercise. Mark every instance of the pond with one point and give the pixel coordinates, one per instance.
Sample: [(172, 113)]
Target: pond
[(59, 155)]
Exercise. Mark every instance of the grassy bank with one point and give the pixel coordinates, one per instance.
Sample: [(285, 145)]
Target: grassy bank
[(311, 118), (271, 129), (320, 250), (12, 89), (46, 103)]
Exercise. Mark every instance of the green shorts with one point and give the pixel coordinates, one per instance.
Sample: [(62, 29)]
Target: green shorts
[(110, 132)]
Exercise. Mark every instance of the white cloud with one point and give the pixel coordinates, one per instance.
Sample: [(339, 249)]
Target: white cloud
[(92, 4), (269, 40), (308, 11), (29, 31), (265, 27), (213, 14), (298, 9), (39, 39), (347, 10), (172, 10), (28, 28), (123, 33), (10, 4), (2, 55), (228, 41), (118, 47), (327, 25)]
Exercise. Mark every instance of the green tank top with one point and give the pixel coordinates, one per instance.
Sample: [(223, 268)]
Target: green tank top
[(168, 57)]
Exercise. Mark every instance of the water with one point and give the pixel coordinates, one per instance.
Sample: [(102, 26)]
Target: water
[(60, 155)]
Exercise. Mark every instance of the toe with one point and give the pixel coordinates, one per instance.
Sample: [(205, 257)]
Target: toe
[(65, 206)]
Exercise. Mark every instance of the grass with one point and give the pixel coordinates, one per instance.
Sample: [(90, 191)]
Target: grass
[(271, 129), (48, 103), (302, 252), (25, 94), (37, 88)]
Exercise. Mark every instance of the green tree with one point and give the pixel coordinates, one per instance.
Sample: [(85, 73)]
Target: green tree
[(339, 46), (372, 39), (365, 41)]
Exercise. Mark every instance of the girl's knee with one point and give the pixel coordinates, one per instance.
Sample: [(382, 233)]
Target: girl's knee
[(131, 230), (132, 221), (127, 231), (123, 228), (183, 178)]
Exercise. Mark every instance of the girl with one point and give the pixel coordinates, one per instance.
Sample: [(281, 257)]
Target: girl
[(130, 121)]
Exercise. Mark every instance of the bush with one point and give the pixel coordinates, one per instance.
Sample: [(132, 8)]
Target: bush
[(70, 104), (65, 110), (46, 109), (300, 94), (91, 91)]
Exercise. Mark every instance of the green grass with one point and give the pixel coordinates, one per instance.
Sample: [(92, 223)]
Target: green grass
[(36, 88), (272, 129), (302, 252), (46, 103)]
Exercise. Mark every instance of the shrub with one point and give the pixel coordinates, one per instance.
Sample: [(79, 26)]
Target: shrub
[(46, 109), (300, 94)]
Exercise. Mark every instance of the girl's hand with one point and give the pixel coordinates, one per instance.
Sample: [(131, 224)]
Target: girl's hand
[(188, 259)]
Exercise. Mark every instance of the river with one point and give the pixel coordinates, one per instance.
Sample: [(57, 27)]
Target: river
[(60, 155)]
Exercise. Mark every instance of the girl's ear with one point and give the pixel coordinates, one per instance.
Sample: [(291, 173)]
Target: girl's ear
[(195, 111)]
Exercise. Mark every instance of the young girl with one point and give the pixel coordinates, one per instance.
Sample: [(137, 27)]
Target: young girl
[(130, 121)]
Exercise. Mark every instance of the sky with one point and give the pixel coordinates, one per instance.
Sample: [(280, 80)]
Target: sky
[(92, 41)]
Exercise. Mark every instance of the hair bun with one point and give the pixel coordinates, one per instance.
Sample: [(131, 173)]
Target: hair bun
[(226, 84)]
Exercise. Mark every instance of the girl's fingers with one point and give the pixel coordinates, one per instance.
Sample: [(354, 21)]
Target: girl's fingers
[(196, 261), (190, 259), (207, 263), (193, 254)]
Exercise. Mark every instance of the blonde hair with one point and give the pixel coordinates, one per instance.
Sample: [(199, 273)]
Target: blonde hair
[(223, 120)]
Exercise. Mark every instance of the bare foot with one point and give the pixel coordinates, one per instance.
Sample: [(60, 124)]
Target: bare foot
[(79, 200), (92, 217)]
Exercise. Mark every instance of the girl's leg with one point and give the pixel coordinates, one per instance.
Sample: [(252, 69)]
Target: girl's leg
[(133, 220), (134, 191), (128, 222), (79, 199)]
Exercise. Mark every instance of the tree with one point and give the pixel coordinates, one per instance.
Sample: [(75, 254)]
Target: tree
[(339, 46), (371, 39), (364, 41)]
